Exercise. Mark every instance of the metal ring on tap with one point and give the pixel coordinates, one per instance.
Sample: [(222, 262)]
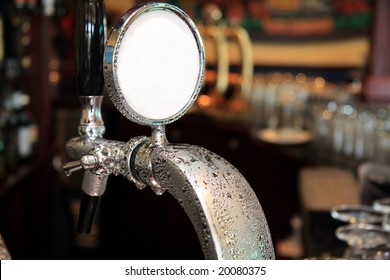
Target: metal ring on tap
[(154, 64)]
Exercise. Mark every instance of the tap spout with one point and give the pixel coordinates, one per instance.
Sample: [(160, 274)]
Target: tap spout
[(221, 205)]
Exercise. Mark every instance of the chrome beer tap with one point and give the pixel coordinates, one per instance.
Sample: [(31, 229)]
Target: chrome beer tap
[(153, 70), (90, 40)]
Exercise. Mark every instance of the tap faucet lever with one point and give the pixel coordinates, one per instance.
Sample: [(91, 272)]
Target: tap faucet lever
[(86, 162), (72, 166)]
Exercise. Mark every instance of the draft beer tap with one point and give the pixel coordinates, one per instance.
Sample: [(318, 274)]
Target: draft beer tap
[(90, 40), (153, 65)]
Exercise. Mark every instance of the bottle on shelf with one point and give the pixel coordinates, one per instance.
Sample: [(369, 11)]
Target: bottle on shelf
[(3, 168), (25, 127), (10, 132)]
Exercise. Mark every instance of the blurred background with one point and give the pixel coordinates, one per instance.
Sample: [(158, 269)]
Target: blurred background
[(296, 96)]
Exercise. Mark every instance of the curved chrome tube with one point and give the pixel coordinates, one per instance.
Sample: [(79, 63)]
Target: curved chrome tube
[(4, 254), (221, 205)]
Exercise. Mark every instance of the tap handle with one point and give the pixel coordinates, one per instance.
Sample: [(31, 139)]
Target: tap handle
[(88, 208), (86, 162), (71, 167), (90, 41)]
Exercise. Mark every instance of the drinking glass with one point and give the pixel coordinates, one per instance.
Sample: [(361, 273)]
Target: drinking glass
[(361, 237), (383, 205), (375, 254), (357, 214)]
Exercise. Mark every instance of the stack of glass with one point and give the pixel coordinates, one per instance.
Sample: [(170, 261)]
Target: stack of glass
[(368, 230)]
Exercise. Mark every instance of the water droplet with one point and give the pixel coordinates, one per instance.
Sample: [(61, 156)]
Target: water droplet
[(140, 185)]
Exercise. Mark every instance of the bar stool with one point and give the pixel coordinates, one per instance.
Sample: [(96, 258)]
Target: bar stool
[(320, 189), (374, 181)]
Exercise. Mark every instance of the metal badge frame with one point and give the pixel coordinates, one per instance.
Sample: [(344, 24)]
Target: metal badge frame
[(111, 62)]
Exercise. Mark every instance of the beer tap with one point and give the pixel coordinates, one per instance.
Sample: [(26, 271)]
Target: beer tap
[(211, 30), (153, 66), (226, 39), (90, 40)]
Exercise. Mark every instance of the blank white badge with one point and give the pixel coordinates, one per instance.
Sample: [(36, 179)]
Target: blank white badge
[(158, 65)]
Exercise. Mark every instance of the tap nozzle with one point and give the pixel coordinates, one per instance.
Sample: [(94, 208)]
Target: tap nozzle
[(88, 208), (99, 158), (93, 187)]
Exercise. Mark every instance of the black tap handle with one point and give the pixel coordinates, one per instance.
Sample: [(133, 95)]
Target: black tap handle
[(88, 207), (90, 41)]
